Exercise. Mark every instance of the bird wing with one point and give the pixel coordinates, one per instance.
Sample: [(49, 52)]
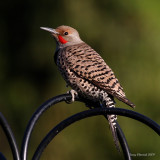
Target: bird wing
[(88, 64)]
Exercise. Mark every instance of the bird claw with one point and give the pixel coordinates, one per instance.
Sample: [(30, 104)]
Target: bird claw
[(73, 94)]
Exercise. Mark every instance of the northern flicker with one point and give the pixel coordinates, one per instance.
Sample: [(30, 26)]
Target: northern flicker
[(86, 72)]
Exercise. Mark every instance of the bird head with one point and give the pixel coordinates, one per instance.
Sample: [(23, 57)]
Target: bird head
[(64, 35)]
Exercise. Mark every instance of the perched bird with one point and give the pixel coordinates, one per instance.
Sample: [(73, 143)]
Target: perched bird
[(86, 72)]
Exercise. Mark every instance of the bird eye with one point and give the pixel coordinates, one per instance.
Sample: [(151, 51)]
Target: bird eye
[(65, 33)]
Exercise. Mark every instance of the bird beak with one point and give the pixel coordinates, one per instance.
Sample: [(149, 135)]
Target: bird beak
[(51, 30)]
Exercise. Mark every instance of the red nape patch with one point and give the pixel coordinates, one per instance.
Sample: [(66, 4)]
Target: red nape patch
[(62, 40)]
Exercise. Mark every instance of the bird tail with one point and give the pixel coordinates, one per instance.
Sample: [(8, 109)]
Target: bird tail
[(112, 123)]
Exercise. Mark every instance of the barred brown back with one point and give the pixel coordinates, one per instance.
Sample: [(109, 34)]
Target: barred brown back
[(81, 61)]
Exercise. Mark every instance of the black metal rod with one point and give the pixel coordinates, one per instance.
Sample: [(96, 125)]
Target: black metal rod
[(35, 117), (11, 139), (123, 142), (89, 113)]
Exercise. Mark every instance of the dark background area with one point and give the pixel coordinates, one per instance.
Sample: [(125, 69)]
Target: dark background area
[(125, 33)]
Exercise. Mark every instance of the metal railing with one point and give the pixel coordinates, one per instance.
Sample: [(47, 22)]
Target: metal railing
[(22, 155)]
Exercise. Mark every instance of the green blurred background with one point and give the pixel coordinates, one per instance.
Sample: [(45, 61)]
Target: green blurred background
[(125, 33)]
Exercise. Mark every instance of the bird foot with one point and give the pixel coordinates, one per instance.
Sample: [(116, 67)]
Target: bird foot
[(73, 94)]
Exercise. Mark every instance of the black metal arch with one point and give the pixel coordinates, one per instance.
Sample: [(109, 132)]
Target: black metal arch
[(88, 113), (76, 117), (10, 137)]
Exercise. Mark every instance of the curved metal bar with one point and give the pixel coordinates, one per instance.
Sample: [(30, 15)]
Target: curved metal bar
[(11, 139), (123, 142), (34, 119), (89, 113)]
